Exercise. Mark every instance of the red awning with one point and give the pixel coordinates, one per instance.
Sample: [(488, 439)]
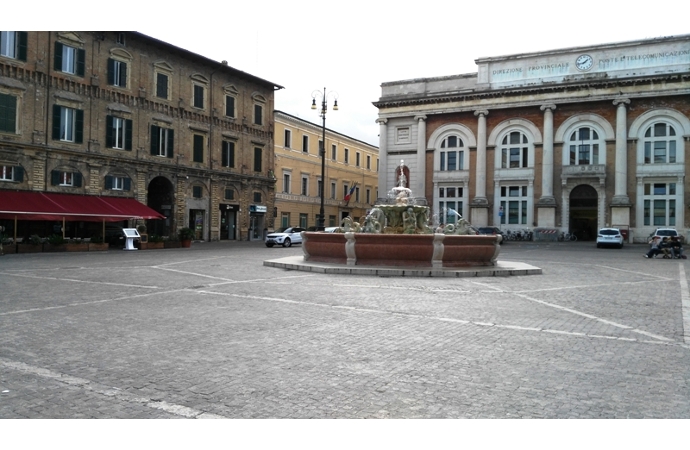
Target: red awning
[(29, 205)]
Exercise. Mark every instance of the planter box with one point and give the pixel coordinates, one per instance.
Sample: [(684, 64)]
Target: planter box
[(152, 245), (83, 247), (8, 249), (186, 243), (171, 244), (98, 247), (29, 248), (50, 248)]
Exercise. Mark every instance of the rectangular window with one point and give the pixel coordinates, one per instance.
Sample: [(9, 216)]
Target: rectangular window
[(117, 73), (257, 159), (319, 188), (118, 183), (286, 183), (346, 190), (197, 192), (198, 148), (162, 140), (258, 114), (118, 133), (305, 185), (161, 85), (514, 203), (333, 189), (331, 221), (229, 106), (69, 59), (288, 139), (368, 162), (229, 194), (228, 156), (357, 157), (357, 195), (347, 156), (368, 196), (198, 101), (68, 124), (7, 173), (257, 197), (8, 113), (305, 144), (303, 220), (334, 152), (284, 220), (13, 44), (659, 201)]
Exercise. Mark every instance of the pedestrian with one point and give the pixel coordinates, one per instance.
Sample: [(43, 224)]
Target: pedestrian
[(665, 247), (677, 248), (655, 242)]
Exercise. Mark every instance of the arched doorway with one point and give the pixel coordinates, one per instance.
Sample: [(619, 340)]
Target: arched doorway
[(162, 199), (583, 212)]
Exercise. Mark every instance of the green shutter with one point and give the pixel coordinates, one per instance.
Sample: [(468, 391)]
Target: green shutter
[(198, 148), (123, 74), (231, 155), (154, 140), (257, 159), (76, 179), (109, 138), (111, 71), (8, 113), (18, 174), (225, 151), (108, 182), (128, 134), (55, 177), (56, 122), (22, 38), (58, 57), (127, 185), (81, 62), (171, 141), (79, 126)]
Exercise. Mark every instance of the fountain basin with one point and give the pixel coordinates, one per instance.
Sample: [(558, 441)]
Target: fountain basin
[(422, 250)]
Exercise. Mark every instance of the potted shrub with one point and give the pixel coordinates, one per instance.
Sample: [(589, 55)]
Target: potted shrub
[(97, 244), (76, 245), (186, 235), (171, 242), (154, 242), (32, 244), (56, 243), (7, 244)]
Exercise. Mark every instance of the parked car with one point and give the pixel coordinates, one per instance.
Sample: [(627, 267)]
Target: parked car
[(491, 231), (285, 236), (330, 229), (666, 232), (610, 236)]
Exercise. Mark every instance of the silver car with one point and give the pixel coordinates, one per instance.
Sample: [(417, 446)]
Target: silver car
[(610, 236), (285, 236)]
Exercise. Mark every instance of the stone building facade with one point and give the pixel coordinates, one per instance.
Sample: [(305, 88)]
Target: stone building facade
[(570, 140), (350, 169), (125, 114)]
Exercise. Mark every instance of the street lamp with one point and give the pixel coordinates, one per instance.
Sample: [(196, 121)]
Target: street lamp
[(324, 99)]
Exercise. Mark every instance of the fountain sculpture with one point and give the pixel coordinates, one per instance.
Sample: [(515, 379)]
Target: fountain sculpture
[(397, 233)]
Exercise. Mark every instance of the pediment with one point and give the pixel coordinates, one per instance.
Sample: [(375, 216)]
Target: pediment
[(163, 66), (121, 53), (71, 36)]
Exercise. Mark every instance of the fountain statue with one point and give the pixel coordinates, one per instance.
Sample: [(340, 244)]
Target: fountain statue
[(397, 233)]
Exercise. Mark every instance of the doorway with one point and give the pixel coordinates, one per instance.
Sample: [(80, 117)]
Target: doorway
[(228, 222), (583, 212), (196, 223), (161, 199)]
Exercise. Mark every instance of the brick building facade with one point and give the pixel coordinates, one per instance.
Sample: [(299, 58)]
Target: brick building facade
[(124, 114), (573, 139)]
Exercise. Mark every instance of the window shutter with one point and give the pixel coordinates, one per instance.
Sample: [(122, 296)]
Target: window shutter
[(123, 74), (154, 139), (108, 182), (128, 134), (76, 179), (229, 106), (22, 45), (56, 122), (109, 138), (79, 127), (225, 151), (81, 62), (231, 154), (171, 141), (55, 177), (127, 185), (58, 57), (8, 113), (18, 174), (111, 71), (198, 148), (257, 159)]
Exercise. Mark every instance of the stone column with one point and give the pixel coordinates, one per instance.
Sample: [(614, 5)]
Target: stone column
[(620, 203), (419, 178), (479, 204), (383, 157), (546, 215)]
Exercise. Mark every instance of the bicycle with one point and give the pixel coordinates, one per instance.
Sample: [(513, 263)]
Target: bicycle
[(567, 237)]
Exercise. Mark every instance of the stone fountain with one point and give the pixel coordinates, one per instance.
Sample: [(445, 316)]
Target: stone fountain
[(398, 233)]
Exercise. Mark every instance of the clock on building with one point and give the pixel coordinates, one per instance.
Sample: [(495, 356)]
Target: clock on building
[(584, 62)]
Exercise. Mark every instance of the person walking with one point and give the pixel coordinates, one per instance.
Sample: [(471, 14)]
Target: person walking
[(655, 242)]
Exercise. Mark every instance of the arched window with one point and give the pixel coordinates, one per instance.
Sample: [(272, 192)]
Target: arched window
[(660, 144), (452, 154), (514, 150), (583, 146)]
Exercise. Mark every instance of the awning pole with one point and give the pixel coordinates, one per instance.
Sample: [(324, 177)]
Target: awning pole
[(15, 228), (63, 227), (103, 230)]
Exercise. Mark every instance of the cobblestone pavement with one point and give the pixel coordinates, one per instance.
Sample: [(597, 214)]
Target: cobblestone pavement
[(209, 332)]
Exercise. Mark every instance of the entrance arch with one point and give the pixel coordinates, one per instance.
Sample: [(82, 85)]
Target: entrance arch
[(161, 197), (583, 206)]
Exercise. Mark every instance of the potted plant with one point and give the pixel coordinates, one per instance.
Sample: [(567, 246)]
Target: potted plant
[(97, 244), (7, 244), (56, 243), (186, 235), (32, 244), (155, 241), (76, 245), (171, 242)]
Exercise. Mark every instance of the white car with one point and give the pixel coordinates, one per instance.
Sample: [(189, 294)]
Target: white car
[(285, 237), (609, 236)]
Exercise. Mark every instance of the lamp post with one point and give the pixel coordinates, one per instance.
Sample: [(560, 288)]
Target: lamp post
[(324, 103)]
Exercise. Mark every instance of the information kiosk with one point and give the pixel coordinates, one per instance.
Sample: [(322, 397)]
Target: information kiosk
[(130, 235)]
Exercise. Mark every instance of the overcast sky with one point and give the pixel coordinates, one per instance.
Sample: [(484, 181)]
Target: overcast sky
[(351, 47)]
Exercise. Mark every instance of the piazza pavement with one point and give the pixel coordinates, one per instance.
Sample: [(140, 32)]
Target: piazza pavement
[(211, 332)]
